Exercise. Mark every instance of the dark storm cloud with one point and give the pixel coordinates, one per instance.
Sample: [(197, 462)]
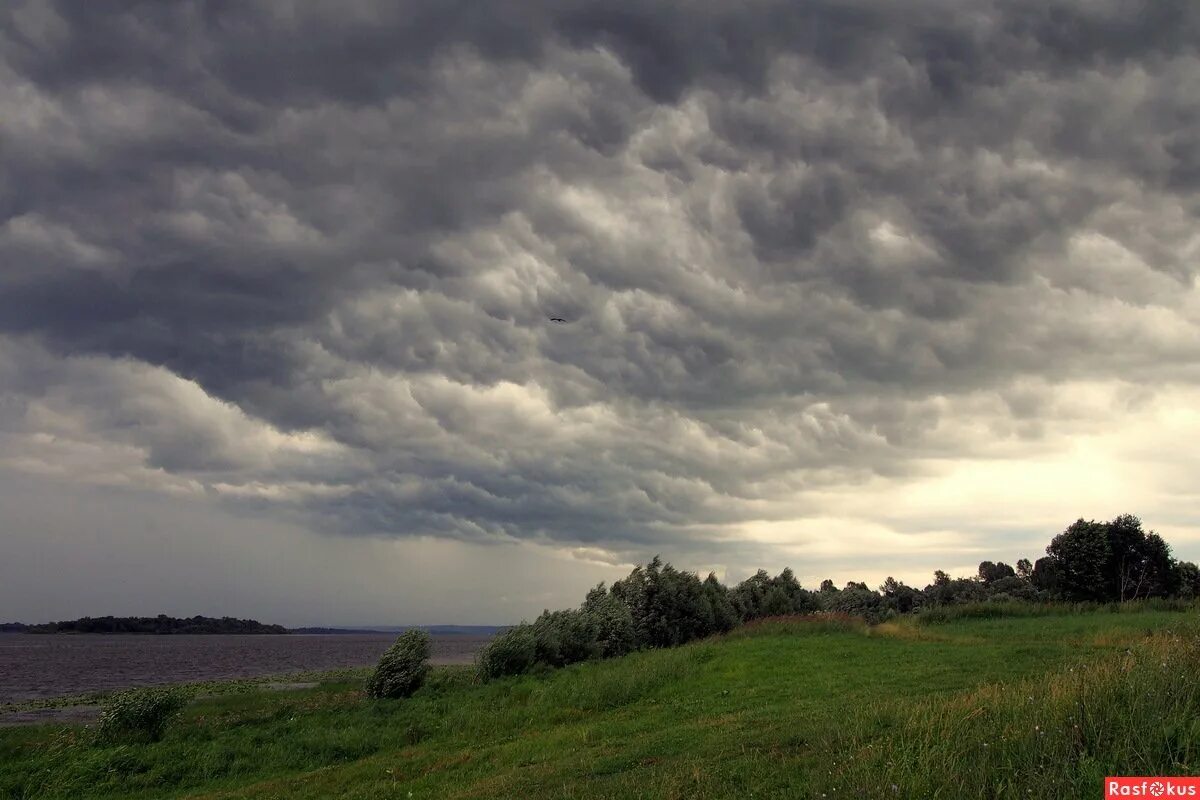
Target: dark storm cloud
[(784, 236)]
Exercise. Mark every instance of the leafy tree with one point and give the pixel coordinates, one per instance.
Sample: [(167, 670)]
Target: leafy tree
[(613, 623), (1046, 576), (899, 597), (1187, 580), (993, 571), (1024, 569), (946, 591), (1012, 588), (669, 607), (763, 596), (725, 616), (749, 596), (1111, 561), (858, 600)]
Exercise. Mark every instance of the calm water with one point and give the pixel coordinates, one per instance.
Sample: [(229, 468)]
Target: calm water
[(36, 666)]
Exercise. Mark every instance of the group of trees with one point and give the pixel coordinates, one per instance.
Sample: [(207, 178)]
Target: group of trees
[(660, 606), (162, 624)]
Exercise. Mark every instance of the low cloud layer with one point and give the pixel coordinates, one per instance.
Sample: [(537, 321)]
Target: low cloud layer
[(826, 269)]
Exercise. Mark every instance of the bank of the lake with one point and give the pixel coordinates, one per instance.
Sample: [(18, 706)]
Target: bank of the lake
[(1037, 707)]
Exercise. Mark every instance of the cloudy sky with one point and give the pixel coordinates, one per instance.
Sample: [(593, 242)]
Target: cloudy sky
[(863, 288)]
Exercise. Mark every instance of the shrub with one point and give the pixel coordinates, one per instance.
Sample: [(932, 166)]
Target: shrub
[(403, 668), (1012, 587), (669, 607), (141, 714), (857, 601), (614, 623), (510, 653), (566, 637), (763, 596)]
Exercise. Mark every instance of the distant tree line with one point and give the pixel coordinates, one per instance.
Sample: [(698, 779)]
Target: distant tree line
[(162, 624), (660, 606)]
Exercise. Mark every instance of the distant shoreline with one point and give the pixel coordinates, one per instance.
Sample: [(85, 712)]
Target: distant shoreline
[(163, 625)]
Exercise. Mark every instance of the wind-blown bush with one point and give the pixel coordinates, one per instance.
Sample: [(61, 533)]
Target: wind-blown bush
[(857, 600), (1012, 587), (403, 667), (614, 623), (947, 591), (140, 714), (761, 596), (725, 616), (669, 607), (659, 606), (566, 637), (512, 652)]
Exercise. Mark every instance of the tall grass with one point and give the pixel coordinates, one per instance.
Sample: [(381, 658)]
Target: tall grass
[(1058, 736), (631, 679), (799, 625), (936, 615)]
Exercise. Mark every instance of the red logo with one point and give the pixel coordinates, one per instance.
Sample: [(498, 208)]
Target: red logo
[(1161, 786)]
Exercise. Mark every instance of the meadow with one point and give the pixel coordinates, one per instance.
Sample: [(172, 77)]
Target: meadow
[(975, 704)]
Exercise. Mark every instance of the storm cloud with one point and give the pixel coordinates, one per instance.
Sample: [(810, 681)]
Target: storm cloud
[(301, 259)]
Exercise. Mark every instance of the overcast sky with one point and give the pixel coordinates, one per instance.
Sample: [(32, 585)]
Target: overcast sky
[(863, 288)]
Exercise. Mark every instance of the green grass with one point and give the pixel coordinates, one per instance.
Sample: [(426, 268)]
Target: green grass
[(971, 707)]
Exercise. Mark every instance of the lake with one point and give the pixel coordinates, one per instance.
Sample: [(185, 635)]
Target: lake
[(34, 666)]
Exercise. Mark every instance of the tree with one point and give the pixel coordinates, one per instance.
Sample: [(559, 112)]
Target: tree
[(763, 596), (613, 622), (1110, 561), (1024, 569), (993, 571), (1046, 576), (725, 616), (1011, 588), (1187, 580), (899, 597), (669, 607), (946, 591), (856, 599)]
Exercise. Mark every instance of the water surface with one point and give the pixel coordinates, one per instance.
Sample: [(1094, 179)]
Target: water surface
[(35, 666)]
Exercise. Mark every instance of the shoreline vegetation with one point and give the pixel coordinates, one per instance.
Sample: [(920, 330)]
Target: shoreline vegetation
[(1033, 682), (1044, 702), (657, 606)]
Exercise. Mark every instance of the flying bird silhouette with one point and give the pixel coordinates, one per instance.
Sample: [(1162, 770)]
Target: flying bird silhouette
[(557, 319)]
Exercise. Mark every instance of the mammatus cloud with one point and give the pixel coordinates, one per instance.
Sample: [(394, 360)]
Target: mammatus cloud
[(828, 270)]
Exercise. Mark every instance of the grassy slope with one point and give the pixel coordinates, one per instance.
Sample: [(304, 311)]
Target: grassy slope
[(787, 709)]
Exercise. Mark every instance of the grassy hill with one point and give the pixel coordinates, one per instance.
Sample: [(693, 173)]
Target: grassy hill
[(972, 707)]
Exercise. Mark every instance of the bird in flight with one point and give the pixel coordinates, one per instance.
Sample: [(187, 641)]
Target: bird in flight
[(557, 319)]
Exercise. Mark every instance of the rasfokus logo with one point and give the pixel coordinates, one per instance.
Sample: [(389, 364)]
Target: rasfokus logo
[(1151, 787)]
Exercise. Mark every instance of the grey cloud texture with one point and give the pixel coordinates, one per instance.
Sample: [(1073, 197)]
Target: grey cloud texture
[(302, 256)]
